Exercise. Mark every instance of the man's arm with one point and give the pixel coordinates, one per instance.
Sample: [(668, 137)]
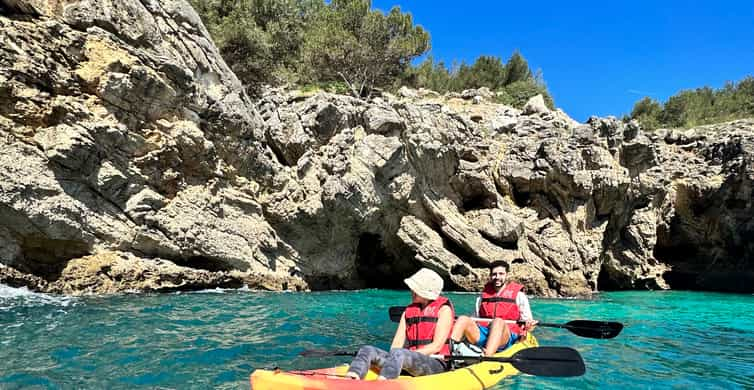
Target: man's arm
[(523, 307)]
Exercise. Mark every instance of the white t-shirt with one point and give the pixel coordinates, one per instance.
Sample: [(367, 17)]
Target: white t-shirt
[(521, 301)]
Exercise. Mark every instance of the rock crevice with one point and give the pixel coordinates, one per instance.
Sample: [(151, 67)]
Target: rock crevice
[(132, 159)]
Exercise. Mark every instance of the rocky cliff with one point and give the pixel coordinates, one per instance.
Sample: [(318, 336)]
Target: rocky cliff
[(131, 159)]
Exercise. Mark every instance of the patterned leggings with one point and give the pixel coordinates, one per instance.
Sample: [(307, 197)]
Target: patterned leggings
[(391, 363)]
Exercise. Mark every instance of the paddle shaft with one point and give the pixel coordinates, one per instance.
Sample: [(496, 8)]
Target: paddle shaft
[(480, 319), (583, 328), (541, 361), (590, 329), (544, 324)]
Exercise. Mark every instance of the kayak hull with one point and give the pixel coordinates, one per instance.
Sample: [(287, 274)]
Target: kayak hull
[(473, 377)]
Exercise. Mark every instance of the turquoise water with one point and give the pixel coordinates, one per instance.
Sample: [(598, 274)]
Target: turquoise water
[(215, 339)]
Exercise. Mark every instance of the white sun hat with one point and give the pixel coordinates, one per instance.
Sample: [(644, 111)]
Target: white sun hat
[(425, 283)]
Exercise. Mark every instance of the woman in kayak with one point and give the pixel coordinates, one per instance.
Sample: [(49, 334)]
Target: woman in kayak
[(424, 330)]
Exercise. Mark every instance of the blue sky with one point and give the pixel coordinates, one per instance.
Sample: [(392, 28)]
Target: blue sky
[(599, 58)]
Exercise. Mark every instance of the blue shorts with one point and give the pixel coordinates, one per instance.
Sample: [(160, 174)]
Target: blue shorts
[(485, 331)]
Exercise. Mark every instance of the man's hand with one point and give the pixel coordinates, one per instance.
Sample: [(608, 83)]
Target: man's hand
[(529, 326)]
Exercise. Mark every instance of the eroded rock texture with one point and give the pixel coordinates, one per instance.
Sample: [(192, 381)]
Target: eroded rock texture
[(455, 184), (131, 159), (122, 129)]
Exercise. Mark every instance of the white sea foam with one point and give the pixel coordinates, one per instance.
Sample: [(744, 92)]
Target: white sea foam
[(22, 296), (218, 290), (12, 292)]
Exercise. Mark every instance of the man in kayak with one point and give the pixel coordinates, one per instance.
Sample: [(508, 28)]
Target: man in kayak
[(423, 330), (501, 300)]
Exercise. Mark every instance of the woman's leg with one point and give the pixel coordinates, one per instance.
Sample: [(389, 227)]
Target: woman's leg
[(415, 363), (367, 356)]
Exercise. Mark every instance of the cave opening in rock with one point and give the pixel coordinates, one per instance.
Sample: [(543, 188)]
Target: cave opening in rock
[(511, 245), (325, 282), (46, 257), (692, 269), (675, 255), (206, 263), (376, 267), (681, 280), (606, 281), (460, 269), (478, 201), (520, 198), (474, 193)]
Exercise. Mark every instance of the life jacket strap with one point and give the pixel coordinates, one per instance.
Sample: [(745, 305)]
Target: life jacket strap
[(416, 320), (416, 343), (498, 299)]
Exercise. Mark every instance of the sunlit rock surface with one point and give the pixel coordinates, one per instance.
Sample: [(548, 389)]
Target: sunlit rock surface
[(132, 160)]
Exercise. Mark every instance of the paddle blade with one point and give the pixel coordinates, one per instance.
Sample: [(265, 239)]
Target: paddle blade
[(323, 353), (396, 312), (594, 329), (548, 361)]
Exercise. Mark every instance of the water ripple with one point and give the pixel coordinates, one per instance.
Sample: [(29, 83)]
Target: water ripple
[(215, 338)]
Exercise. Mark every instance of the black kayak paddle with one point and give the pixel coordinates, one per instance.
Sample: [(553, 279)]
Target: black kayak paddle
[(583, 328), (540, 361)]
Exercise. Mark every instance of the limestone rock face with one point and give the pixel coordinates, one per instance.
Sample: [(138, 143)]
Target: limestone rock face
[(431, 253), (113, 272), (131, 159), (536, 105), (122, 129), (573, 207)]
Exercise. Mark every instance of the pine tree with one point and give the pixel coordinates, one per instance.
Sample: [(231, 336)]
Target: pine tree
[(517, 69), (361, 47)]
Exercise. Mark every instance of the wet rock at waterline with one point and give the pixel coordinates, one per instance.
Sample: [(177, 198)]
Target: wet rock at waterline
[(133, 160)]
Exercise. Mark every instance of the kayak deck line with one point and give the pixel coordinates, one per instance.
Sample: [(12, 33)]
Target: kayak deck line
[(314, 373), (475, 376)]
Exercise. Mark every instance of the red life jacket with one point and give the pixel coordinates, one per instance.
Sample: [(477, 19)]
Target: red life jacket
[(502, 304), (420, 324)]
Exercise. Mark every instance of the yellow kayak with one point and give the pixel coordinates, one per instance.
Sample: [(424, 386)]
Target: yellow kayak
[(476, 376)]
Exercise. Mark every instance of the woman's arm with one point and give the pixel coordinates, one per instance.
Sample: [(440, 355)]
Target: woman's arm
[(399, 340), (442, 331)]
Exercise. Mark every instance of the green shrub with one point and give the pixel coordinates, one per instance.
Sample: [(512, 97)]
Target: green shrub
[(361, 47), (521, 91), (346, 46), (700, 106)]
